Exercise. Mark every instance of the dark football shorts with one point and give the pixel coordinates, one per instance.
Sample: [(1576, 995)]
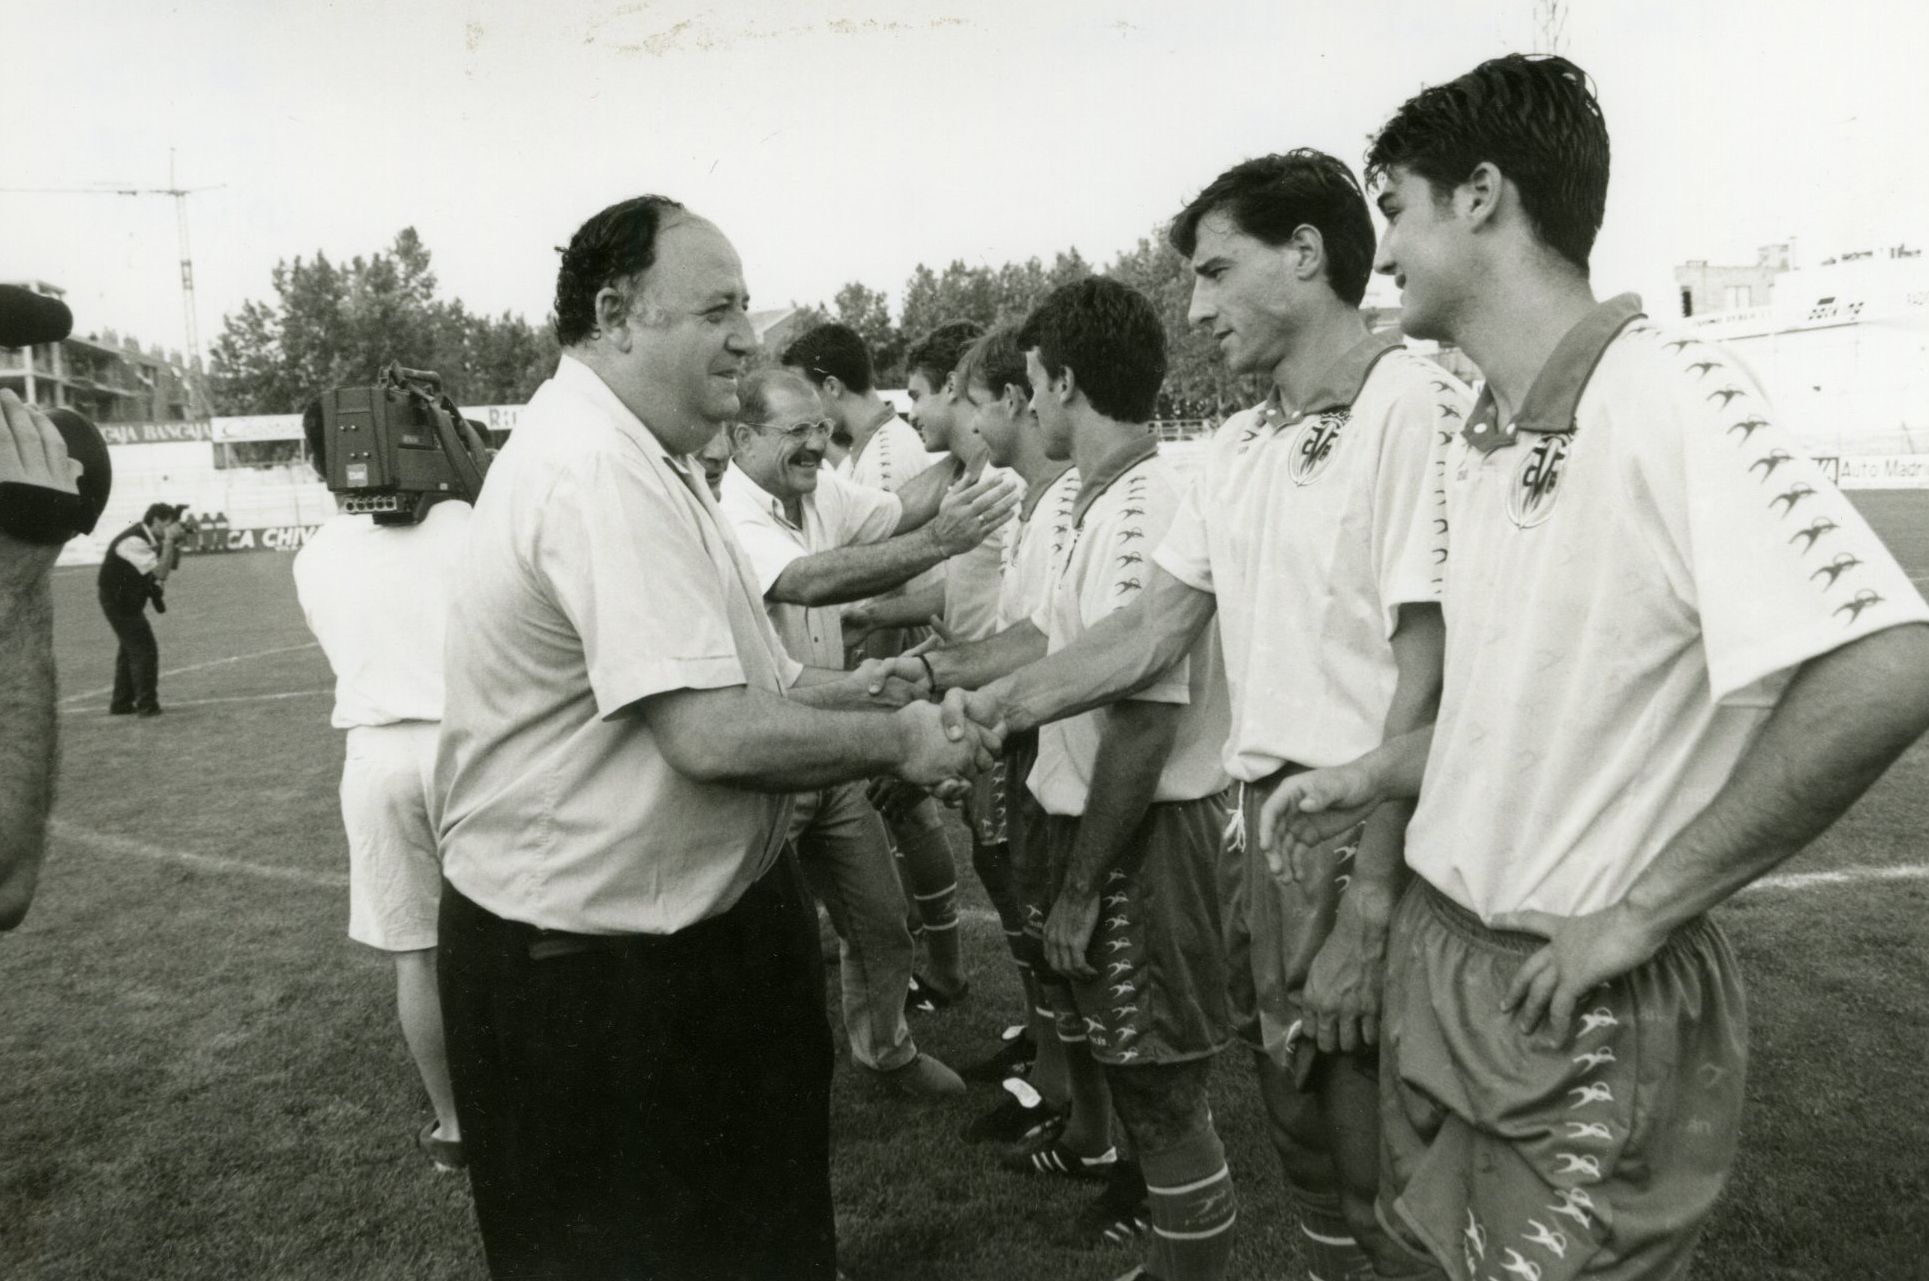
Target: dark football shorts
[(1273, 932), (1510, 1156), (1160, 994)]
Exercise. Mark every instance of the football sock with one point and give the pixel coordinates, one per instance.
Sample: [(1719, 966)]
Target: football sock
[(1193, 1208), (932, 880), (1326, 1239), (1048, 1057), (1088, 1126)]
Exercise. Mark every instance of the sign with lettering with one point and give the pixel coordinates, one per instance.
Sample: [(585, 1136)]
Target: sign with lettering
[(159, 433)]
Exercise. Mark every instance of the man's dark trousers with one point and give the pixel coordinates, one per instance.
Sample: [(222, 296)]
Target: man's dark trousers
[(137, 665), (645, 1108)]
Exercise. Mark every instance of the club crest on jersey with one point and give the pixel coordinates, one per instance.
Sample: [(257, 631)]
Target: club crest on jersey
[(1537, 481), (1313, 445)]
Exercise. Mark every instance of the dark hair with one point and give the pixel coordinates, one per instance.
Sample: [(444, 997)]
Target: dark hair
[(162, 511), (311, 430), (937, 354), (1271, 197), (1111, 337), (832, 351), (1535, 118), (996, 360), (612, 248), (754, 390)]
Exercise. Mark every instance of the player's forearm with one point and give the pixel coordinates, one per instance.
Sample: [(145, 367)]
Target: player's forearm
[(912, 610), (1419, 650), (921, 495), (1123, 653), (28, 748), (1125, 776), (1843, 719), (759, 741), (1398, 765), (977, 663), (846, 574)]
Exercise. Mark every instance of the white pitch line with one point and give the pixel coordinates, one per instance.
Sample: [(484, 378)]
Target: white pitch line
[(127, 846), (1842, 876), (198, 667), (233, 698)]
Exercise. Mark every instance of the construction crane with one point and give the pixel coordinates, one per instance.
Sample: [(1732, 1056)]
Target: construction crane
[(180, 195)]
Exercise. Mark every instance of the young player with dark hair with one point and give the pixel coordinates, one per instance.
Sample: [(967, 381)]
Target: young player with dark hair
[(1676, 655), (1299, 534), (1134, 794)]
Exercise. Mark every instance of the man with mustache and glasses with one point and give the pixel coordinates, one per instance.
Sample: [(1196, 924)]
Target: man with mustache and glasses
[(817, 540), (630, 980)]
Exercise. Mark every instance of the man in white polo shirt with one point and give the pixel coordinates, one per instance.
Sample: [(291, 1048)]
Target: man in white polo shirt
[(388, 698), (630, 979), (1675, 655), (1133, 794), (1299, 534), (815, 540)]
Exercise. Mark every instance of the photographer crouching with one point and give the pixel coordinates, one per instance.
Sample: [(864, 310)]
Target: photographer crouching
[(374, 584), (133, 573)]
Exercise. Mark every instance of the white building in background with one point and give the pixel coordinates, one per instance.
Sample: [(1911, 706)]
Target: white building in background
[(1841, 346)]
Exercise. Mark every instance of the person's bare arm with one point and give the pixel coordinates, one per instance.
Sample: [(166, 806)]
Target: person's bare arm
[(1343, 985), (870, 686), (1125, 773), (921, 495), (913, 609), (1122, 653), (31, 453), (1844, 718), (968, 515), (1310, 809), (762, 742)]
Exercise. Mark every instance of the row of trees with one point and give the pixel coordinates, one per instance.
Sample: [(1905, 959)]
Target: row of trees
[(331, 324)]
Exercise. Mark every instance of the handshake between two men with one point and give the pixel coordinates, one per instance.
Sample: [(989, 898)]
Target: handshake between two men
[(943, 747)]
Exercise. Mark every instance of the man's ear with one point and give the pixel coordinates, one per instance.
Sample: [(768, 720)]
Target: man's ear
[(832, 388), (613, 316), (1478, 199), (1017, 400), (1308, 250)]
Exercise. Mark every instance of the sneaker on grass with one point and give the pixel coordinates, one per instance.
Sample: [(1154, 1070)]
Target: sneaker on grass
[(1044, 1153), (921, 1078), (1012, 1058), (1023, 1111), (1119, 1215)]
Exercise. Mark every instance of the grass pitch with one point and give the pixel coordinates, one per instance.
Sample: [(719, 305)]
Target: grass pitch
[(201, 1077)]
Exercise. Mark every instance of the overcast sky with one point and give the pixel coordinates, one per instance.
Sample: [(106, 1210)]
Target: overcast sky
[(851, 139)]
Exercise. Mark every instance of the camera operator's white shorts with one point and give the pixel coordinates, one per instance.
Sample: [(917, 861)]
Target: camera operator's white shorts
[(394, 876)]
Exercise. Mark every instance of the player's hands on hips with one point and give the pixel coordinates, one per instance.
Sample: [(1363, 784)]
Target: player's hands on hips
[(32, 453), (1582, 953), (1068, 933), (970, 510), (1342, 996), (1307, 810)]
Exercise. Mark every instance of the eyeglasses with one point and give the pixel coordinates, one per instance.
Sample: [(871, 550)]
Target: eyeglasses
[(801, 434)]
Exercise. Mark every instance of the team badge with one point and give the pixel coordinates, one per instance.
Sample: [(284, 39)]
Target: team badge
[(1537, 483), (1313, 445)]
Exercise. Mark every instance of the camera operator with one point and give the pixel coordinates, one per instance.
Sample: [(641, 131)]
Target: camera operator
[(134, 571), (31, 454), (377, 598)]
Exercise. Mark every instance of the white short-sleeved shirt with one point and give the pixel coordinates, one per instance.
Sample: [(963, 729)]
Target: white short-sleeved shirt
[(892, 456), (139, 551), (1303, 526), (1043, 526), (837, 514), (971, 578), (377, 598), (1633, 568), (598, 572), (1123, 510)]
